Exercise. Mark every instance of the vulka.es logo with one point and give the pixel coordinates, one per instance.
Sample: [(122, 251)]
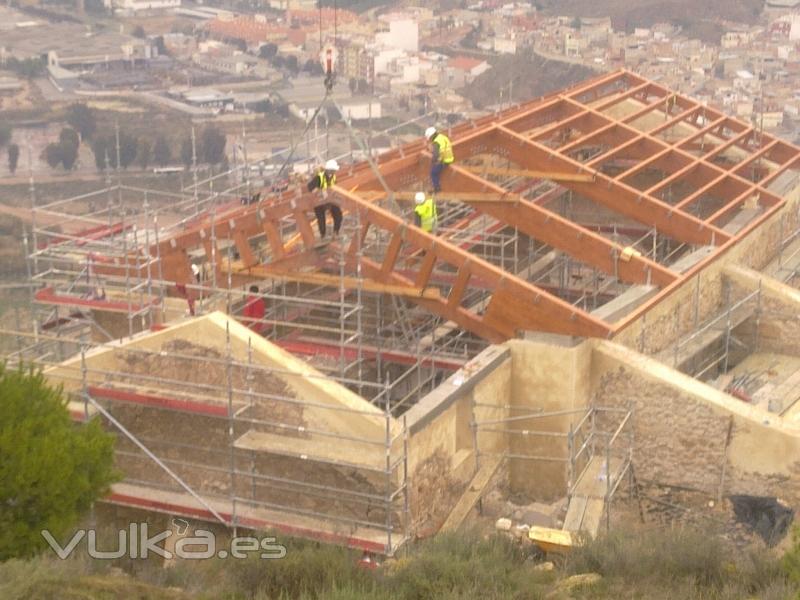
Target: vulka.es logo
[(136, 542)]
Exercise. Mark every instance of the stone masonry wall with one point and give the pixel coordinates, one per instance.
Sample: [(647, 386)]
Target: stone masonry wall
[(686, 431), (678, 441)]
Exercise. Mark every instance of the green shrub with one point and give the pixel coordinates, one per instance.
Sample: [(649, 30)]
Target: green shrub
[(51, 469)]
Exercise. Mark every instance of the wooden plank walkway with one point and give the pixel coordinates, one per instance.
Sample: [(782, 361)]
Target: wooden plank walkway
[(254, 517), (470, 497)]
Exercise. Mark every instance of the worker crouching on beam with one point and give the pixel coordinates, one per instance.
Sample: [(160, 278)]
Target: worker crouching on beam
[(443, 156), (323, 181), (426, 216)]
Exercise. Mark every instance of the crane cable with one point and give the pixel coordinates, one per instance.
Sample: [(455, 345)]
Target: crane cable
[(329, 81)]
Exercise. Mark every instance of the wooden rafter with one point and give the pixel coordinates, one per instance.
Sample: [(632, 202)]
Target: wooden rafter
[(282, 224)]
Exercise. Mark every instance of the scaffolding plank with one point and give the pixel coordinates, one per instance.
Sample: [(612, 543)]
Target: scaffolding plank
[(472, 494), (574, 518), (592, 515), (255, 517)]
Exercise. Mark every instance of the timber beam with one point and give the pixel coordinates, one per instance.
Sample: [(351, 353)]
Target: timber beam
[(514, 305), (560, 233), (337, 281), (532, 174), (615, 195)]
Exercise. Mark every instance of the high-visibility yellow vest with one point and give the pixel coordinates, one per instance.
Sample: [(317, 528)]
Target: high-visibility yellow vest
[(428, 215), (323, 181), (445, 148)]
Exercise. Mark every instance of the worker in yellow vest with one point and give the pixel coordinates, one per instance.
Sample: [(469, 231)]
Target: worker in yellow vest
[(442, 150), (426, 217), (322, 181)]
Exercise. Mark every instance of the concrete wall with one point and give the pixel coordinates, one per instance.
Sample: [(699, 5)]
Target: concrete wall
[(549, 373)]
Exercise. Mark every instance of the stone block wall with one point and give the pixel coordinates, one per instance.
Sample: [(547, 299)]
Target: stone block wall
[(678, 440), (686, 431)]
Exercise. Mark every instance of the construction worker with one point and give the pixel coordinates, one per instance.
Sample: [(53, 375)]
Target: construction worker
[(322, 181), (254, 310), (442, 150), (426, 216)]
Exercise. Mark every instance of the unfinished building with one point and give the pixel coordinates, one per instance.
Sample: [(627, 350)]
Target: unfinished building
[(609, 288)]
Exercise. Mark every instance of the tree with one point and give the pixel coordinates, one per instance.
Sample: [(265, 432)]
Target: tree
[(138, 32), (27, 68), (69, 154), (161, 152), (101, 151), (186, 152), (213, 145), (95, 6), (52, 154), (5, 134), (69, 136), (263, 106), (144, 153), (161, 46), (128, 145), (82, 119), (106, 146), (267, 51), (52, 470), (13, 157)]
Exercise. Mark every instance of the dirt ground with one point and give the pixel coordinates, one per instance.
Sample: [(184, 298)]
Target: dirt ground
[(25, 98), (655, 507)]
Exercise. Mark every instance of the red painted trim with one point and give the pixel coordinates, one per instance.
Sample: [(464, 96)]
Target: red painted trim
[(47, 295), (199, 513), (202, 408), (90, 234), (312, 347)]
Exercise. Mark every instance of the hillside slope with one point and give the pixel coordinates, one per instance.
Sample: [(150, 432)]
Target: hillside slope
[(702, 20), (533, 76)]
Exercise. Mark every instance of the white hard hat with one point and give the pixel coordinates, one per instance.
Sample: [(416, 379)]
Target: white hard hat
[(419, 197), (430, 131), (332, 165)]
